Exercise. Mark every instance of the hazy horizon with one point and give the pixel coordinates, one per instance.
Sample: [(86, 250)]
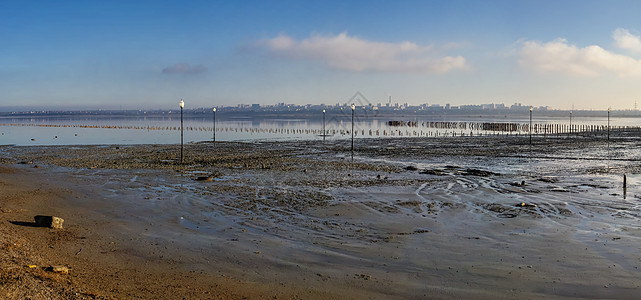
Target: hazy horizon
[(53, 109)]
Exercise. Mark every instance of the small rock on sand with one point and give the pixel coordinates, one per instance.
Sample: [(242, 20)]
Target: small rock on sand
[(48, 221), (58, 269)]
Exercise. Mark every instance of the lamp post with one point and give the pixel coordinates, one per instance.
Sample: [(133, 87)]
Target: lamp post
[(182, 104), (530, 125), (353, 107), (324, 126), (214, 137)]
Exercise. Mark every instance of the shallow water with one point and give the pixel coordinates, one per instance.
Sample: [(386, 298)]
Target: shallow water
[(93, 130)]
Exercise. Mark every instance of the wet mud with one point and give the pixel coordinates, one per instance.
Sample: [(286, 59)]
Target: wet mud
[(405, 218)]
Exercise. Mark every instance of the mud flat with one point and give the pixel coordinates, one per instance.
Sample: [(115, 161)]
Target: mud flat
[(406, 218)]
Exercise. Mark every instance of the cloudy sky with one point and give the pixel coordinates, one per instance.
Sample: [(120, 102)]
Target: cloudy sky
[(150, 54)]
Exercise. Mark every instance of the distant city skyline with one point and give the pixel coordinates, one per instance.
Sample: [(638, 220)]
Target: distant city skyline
[(151, 54), (312, 109)]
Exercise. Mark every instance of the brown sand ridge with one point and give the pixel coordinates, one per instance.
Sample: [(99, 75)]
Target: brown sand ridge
[(407, 218)]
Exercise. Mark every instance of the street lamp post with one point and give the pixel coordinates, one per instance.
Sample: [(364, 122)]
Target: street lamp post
[(182, 104), (353, 107), (214, 137), (324, 126), (530, 125)]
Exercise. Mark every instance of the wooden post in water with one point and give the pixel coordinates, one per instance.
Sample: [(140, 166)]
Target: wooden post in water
[(530, 126), (608, 126), (625, 186)]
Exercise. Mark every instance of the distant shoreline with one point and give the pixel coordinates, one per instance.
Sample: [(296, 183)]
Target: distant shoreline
[(317, 112)]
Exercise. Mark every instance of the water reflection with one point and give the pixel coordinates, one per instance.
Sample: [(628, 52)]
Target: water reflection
[(60, 130)]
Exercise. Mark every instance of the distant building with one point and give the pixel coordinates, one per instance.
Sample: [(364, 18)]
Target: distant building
[(471, 107), (519, 107)]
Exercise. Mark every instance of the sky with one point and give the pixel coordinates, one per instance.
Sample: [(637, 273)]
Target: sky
[(151, 54)]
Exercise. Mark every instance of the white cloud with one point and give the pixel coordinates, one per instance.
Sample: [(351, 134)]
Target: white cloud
[(559, 56), (354, 54), (184, 69), (625, 40)]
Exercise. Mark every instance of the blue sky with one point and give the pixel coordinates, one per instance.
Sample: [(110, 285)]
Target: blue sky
[(150, 54)]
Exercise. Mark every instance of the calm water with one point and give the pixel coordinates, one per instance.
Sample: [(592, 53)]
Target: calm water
[(66, 130)]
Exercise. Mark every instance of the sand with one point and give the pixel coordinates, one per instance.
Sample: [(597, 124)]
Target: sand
[(406, 218)]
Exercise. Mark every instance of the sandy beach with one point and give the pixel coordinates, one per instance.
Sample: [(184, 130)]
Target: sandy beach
[(441, 218)]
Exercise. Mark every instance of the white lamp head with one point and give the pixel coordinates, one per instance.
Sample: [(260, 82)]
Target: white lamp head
[(323, 111), (353, 107), (182, 103), (214, 109)]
